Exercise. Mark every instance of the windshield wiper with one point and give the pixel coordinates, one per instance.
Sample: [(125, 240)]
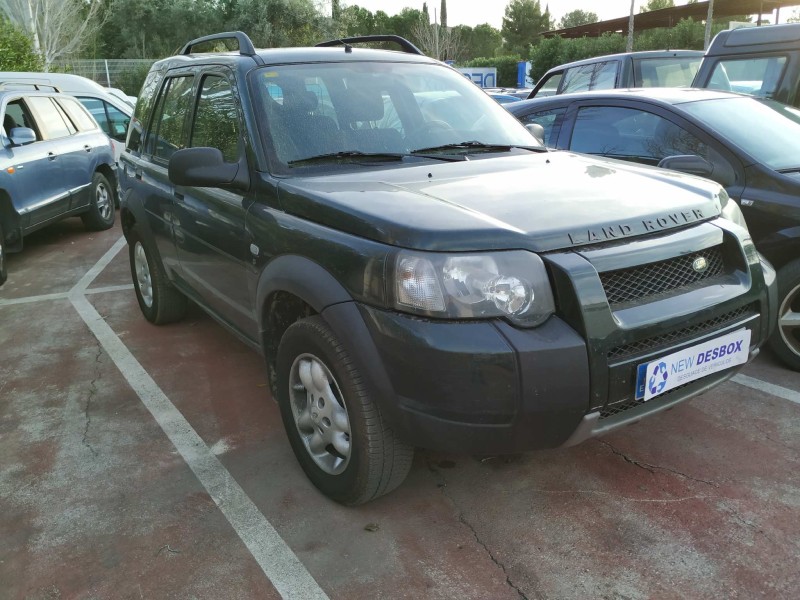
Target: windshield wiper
[(354, 156), (472, 145), (789, 171), (348, 156)]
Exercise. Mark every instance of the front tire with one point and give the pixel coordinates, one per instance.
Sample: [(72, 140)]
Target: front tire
[(159, 300), (100, 215), (785, 340), (336, 430)]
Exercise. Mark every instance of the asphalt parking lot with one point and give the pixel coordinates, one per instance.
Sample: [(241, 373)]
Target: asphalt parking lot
[(150, 462)]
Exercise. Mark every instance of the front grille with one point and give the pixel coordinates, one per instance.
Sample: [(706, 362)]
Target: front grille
[(619, 407), (626, 285), (648, 344)]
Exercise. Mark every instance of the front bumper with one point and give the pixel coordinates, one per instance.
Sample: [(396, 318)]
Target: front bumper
[(486, 387)]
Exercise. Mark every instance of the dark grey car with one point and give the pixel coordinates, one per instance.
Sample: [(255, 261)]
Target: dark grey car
[(749, 146), (55, 162)]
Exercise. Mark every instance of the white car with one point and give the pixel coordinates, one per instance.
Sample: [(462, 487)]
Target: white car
[(110, 111)]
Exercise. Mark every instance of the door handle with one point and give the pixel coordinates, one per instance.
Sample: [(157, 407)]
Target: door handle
[(87, 147), (178, 195), (52, 156), (138, 174)]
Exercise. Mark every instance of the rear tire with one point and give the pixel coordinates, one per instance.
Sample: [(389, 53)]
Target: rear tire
[(336, 430), (159, 300), (100, 215), (785, 340)]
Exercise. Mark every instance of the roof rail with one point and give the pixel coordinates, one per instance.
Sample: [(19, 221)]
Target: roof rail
[(28, 85), (246, 47), (400, 41)]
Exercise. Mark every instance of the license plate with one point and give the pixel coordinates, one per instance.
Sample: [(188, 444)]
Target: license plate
[(668, 372)]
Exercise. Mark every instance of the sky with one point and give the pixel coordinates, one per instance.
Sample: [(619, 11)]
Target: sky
[(475, 12)]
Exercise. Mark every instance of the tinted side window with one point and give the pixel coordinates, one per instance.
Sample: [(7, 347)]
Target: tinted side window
[(118, 122), (754, 76), (78, 114), (168, 132), (550, 86), (551, 121), (665, 72), (51, 123), (631, 134), (595, 76), (95, 107), (143, 106), (216, 122)]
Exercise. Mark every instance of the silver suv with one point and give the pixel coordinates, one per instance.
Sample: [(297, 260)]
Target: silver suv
[(55, 163)]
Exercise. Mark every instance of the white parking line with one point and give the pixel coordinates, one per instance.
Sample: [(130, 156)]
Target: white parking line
[(768, 388), (281, 566)]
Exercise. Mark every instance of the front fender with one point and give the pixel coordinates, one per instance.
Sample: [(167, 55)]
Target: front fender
[(300, 277)]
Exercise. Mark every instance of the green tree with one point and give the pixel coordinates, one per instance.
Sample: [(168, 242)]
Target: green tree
[(482, 40), (577, 18), (404, 22), (443, 14), (279, 23), (137, 29), (523, 23), (357, 21), (657, 5), (16, 49)]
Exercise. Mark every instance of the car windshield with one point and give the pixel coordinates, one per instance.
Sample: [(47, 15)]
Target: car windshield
[(372, 108), (765, 129)]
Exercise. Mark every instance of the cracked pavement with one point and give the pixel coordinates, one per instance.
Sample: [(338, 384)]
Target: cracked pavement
[(702, 501)]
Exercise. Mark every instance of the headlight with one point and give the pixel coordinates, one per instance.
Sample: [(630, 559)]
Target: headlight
[(469, 286), (730, 210)]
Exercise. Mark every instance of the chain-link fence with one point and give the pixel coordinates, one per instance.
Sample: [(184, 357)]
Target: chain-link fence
[(126, 74)]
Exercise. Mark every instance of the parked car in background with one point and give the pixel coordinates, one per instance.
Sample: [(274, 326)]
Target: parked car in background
[(760, 61), (118, 93), (112, 113), (501, 98), (415, 268), (750, 146), (519, 93), (55, 163), (651, 68)]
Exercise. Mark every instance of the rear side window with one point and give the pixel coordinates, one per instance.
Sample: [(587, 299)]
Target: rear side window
[(550, 86), (216, 122), (78, 114), (143, 106), (665, 72), (595, 76), (167, 131), (753, 76), (50, 120)]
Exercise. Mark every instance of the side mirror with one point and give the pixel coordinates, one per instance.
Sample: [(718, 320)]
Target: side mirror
[(206, 167), (688, 163), (20, 136), (536, 131)]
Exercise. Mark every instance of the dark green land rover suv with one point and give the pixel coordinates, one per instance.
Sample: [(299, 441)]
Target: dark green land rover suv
[(415, 267)]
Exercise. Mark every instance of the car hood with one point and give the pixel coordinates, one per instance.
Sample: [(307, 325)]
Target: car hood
[(539, 202)]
